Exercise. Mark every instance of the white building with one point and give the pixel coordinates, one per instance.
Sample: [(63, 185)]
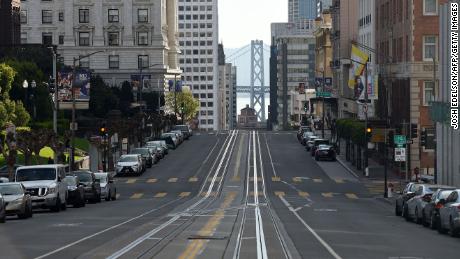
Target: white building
[(295, 66), (132, 34), (198, 39)]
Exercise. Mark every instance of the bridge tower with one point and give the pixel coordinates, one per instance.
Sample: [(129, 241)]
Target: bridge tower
[(257, 79)]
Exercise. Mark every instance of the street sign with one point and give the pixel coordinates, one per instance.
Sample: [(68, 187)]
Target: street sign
[(323, 94), (400, 140), (400, 154)]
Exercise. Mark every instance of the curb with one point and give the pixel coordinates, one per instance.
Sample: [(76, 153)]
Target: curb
[(346, 167), (385, 200)]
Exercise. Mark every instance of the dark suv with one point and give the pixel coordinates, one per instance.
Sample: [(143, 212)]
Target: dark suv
[(91, 185)]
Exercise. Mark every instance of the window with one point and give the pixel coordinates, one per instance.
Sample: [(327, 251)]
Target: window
[(47, 38), (430, 7), (47, 16), (142, 38), (83, 39), (142, 15), (113, 38), (428, 93), (84, 62), (113, 15), (210, 121), (429, 47), (61, 39), (61, 16), (23, 37), (23, 17), (114, 61), (83, 15), (142, 61)]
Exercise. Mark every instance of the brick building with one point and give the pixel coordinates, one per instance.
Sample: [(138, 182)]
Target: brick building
[(247, 118)]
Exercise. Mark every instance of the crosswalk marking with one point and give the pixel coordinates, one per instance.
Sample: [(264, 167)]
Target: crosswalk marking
[(184, 194), (303, 194), (193, 179), (160, 195), (172, 180), (338, 180), (276, 179), (327, 194), (280, 193), (131, 181), (351, 195), (152, 180), (317, 180), (137, 196), (297, 179)]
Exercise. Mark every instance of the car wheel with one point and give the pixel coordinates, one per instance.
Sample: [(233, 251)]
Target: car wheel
[(316, 158), (406, 213), (31, 212), (57, 206), (439, 227), (397, 210), (3, 218), (433, 221), (64, 205), (425, 222), (452, 231), (114, 198), (107, 198), (417, 219), (23, 215)]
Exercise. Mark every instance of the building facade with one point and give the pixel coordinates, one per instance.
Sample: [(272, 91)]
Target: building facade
[(233, 120), (295, 72), (226, 92), (134, 37), (322, 5), (198, 37), (447, 138), (407, 35), (247, 118), (10, 22)]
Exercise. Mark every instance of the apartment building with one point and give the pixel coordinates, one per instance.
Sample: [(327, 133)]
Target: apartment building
[(133, 37), (198, 39)]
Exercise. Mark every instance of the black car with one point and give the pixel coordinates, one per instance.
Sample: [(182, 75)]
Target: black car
[(90, 184), (146, 154), (316, 144), (325, 152), (75, 191)]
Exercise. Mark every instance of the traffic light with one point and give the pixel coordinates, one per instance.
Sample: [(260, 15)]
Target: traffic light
[(369, 133), (52, 85), (391, 138), (102, 130), (423, 137), (305, 106), (413, 130)]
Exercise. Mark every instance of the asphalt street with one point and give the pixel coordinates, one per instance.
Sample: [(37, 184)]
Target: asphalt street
[(237, 194)]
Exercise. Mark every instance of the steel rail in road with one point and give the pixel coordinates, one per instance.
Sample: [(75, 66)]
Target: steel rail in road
[(191, 209)]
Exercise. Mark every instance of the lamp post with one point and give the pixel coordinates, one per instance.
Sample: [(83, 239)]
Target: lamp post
[(323, 84), (72, 129), (28, 98)]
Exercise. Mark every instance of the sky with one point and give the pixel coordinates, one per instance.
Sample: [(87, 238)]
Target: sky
[(241, 21)]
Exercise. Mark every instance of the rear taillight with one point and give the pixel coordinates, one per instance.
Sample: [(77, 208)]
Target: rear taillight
[(438, 206), (458, 207)]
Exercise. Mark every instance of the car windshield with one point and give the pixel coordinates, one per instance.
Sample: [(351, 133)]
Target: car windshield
[(128, 159), (322, 142), (142, 151), (35, 174), (11, 189), (70, 180), (84, 177), (102, 177), (444, 194)]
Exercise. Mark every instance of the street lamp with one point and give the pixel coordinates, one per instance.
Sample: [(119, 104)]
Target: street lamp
[(322, 98), (30, 97), (72, 149)]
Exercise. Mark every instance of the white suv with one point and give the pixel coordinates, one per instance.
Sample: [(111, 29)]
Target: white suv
[(45, 185)]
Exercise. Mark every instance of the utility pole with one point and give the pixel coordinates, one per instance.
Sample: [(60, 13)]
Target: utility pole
[(322, 94), (435, 173), (366, 118)]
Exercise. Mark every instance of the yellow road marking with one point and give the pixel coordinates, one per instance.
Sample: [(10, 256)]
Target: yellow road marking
[(236, 179), (297, 179), (193, 179), (338, 180), (351, 196), (217, 179), (131, 181), (152, 180), (184, 194), (276, 179), (212, 194), (317, 180), (258, 193), (137, 196), (172, 180), (327, 194), (280, 193), (304, 194), (160, 195), (196, 246)]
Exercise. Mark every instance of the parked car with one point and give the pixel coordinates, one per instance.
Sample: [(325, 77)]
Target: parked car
[(310, 141), (325, 152), (430, 213), (180, 135), (157, 152), (4, 180), (186, 130), (17, 200), (169, 139), (146, 155), (449, 214), (406, 194), (90, 184), (305, 136), (108, 189), (301, 130), (4, 170), (44, 183), (316, 143), (413, 207), (129, 164), (160, 143), (2, 210), (75, 191)]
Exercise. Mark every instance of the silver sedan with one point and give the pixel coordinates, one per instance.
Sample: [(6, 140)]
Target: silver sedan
[(449, 215), (17, 200), (108, 189)]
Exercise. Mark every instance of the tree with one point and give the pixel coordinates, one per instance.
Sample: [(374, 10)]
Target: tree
[(102, 98), (126, 98), (184, 99)]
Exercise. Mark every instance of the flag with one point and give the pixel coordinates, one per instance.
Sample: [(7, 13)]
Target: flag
[(358, 59)]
